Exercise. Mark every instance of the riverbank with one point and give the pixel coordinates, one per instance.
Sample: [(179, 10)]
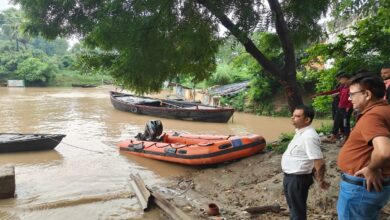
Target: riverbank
[(250, 182)]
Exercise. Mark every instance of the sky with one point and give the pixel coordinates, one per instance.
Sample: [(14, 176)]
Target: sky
[(4, 4)]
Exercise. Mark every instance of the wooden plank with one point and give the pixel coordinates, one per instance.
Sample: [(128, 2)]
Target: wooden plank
[(143, 194), (173, 212), (7, 182), (264, 209), (140, 190)]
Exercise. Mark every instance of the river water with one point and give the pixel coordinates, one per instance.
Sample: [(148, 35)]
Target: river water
[(85, 177)]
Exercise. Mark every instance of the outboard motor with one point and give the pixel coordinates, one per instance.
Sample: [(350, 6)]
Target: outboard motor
[(153, 130)]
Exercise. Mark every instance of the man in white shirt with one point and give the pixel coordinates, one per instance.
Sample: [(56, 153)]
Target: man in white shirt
[(301, 161)]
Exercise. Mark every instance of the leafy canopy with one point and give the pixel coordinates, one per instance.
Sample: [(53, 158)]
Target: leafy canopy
[(365, 47), (144, 42)]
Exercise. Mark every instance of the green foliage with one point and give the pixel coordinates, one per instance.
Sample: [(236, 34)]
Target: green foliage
[(57, 46), (143, 43), (66, 78), (326, 82), (262, 88), (281, 145), (222, 76), (365, 48), (32, 65), (284, 139), (367, 45), (237, 101), (345, 9), (325, 128), (261, 85), (35, 72), (38, 61), (10, 27), (302, 18)]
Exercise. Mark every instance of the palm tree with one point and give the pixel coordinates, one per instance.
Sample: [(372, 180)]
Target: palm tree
[(10, 26)]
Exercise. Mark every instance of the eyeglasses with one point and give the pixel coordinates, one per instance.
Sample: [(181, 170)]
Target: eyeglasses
[(353, 93)]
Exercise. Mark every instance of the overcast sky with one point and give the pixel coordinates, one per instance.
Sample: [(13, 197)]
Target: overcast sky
[(4, 4)]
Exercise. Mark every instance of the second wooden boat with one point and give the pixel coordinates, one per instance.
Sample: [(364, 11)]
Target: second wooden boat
[(170, 108)]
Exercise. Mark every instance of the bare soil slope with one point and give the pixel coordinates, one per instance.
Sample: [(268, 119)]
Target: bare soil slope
[(254, 181)]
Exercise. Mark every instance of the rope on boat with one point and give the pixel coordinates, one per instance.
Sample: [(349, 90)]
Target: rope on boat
[(71, 145)]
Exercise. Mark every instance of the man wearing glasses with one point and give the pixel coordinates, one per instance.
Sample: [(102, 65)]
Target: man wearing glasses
[(364, 158)]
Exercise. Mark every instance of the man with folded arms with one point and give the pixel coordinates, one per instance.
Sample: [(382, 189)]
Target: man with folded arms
[(365, 156)]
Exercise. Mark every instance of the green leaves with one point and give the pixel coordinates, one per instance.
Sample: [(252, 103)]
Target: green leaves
[(145, 42), (141, 43), (35, 71), (302, 18)]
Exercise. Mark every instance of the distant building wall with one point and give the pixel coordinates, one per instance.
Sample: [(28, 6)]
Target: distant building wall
[(203, 97), (15, 83)]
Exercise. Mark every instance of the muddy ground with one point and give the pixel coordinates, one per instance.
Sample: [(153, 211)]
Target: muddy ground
[(251, 182)]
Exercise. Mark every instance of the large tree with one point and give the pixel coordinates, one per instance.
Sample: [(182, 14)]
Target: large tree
[(144, 42), (10, 21)]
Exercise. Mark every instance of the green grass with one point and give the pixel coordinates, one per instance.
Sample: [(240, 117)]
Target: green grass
[(284, 139), (281, 144), (68, 77)]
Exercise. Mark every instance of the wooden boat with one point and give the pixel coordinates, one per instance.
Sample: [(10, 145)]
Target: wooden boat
[(195, 149), (170, 108), (13, 142), (84, 85)]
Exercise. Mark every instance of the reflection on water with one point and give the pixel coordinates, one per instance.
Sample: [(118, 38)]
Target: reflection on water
[(159, 167), (85, 177), (34, 157)]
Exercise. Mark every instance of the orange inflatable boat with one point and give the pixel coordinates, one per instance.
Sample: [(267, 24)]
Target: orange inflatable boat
[(195, 149)]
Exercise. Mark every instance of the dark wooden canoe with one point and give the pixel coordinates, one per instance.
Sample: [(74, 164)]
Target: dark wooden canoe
[(169, 108), (13, 142), (84, 85)]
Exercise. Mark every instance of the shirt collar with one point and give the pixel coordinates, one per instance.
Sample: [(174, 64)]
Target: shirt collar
[(301, 130), (371, 106)]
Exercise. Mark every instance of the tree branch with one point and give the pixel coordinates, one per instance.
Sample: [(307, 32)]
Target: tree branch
[(243, 38), (284, 36)]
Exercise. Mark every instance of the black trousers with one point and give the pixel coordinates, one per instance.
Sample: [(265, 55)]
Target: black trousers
[(341, 121), (296, 190)]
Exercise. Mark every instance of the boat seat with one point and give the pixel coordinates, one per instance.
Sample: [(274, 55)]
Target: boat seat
[(180, 146), (206, 143), (170, 150), (236, 142)]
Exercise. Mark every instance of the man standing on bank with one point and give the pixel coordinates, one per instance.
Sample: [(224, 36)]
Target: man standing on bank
[(385, 73), (364, 158), (301, 161)]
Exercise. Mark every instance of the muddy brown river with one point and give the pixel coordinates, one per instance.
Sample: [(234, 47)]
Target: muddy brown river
[(86, 177)]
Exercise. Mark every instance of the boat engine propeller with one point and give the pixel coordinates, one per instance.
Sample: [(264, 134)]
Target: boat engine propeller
[(153, 131)]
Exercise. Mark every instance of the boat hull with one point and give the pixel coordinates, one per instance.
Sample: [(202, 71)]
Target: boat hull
[(10, 142), (187, 111), (196, 150)]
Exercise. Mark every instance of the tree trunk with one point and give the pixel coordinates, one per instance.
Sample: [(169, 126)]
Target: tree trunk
[(286, 75), (292, 91)]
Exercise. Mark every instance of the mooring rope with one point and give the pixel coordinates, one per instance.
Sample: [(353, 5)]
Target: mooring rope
[(71, 145)]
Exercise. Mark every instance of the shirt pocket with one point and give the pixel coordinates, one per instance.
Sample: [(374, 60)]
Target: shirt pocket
[(297, 151)]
